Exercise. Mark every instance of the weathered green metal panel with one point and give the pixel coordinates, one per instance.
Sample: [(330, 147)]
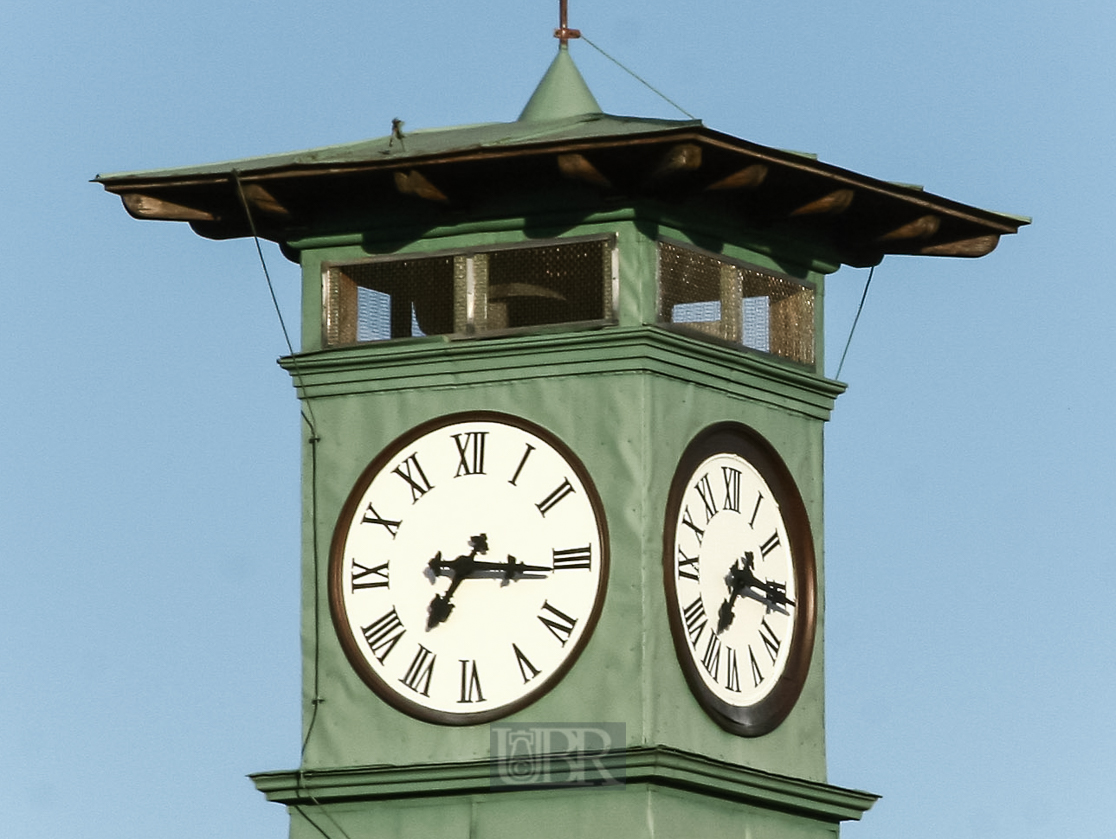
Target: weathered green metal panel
[(628, 416)]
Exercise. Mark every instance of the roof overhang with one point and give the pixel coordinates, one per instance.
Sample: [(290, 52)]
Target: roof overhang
[(608, 158)]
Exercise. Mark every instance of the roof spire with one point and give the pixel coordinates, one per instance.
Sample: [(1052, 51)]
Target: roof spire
[(562, 93), (563, 33)]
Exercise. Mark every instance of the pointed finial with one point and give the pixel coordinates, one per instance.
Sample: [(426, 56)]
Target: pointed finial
[(563, 33)]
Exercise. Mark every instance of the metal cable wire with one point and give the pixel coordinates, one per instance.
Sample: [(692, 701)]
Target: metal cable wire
[(314, 439), (639, 79), (856, 320), (275, 302)]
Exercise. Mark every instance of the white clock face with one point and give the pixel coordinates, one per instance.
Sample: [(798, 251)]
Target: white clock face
[(739, 581), (468, 568)]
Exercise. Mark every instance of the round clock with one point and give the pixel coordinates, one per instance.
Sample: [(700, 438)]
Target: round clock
[(468, 568), (738, 562)]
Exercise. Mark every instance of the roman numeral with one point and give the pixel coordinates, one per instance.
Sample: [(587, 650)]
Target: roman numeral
[(522, 463), (755, 510), (372, 517), (411, 472), (568, 559), (547, 504), (706, 492), (694, 617), (732, 488), (383, 634), (687, 565), (688, 520), (711, 661), (470, 682), (526, 669), (732, 675), (379, 576), (771, 544), (770, 640), (560, 624), (417, 677), (757, 676), (470, 451)]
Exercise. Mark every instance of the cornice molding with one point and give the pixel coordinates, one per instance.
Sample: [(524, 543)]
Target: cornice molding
[(450, 362), (654, 766)]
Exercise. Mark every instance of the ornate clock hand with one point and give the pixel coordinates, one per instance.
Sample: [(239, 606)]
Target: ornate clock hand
[(439, 610), (467, 566), (739, 579), (460, 568), (725, 615), (771, 594), (512, 569), (440, 606), (513, 565), (743, 582), (776, 596)]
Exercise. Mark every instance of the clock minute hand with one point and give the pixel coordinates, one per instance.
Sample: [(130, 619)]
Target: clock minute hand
[(771, 594), (511, 569)]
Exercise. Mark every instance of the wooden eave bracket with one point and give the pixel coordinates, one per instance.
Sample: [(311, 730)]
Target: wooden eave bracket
[(577, 167), (977, 246), (263, 201), (749, 177), (974, 247), (922, 227), (678, 160), (832, 203), (142, 206), (415, 183)]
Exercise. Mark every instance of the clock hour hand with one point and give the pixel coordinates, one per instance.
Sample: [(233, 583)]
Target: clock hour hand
[(440, 606), (739, 579), (459, 568)]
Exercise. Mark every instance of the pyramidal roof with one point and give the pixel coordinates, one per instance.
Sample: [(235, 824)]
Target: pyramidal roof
[(561, 136), (561, 107)]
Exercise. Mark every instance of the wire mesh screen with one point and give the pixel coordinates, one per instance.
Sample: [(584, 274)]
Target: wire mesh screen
[(470, 292), (784, 315), (737, 303), (398, 298), (563, 283)]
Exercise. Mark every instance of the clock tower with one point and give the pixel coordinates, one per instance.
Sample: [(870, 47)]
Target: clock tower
[(563, 568)]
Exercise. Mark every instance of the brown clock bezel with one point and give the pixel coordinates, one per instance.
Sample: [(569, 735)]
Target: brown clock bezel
[(769, 712), (350, 645)]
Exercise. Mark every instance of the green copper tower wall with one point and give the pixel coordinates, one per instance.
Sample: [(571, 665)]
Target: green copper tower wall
[(627, 398)]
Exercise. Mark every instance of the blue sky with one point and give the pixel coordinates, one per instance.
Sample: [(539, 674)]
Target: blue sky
[(149, 461)]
